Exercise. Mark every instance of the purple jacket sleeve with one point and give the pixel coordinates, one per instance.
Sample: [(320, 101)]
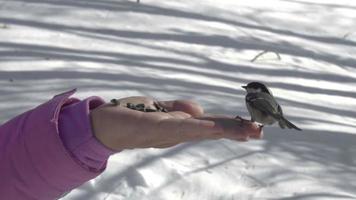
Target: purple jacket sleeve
[(76, 133), (34, 162)]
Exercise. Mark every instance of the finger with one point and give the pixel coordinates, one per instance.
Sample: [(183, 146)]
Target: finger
[(258, 131), (187, 106), (235, 129), (228, 126), (188, 129), (179, 114), (255, 130), (193, 129)]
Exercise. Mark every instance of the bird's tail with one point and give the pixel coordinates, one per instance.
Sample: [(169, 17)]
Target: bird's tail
[(285, 123)]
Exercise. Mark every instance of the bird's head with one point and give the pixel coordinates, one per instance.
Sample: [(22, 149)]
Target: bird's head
[(256, 87)]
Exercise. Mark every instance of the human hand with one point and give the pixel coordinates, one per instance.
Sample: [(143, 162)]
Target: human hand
[(121, 128)]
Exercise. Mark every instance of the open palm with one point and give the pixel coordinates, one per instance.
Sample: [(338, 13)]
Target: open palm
[(120, 128)]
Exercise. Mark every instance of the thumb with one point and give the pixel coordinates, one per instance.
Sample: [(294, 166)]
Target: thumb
[(187, 106)]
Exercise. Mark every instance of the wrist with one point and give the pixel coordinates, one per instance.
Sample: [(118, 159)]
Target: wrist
[(101, 125)]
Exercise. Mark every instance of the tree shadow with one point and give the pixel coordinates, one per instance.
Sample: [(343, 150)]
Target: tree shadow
[(130, 6), (329, 5)]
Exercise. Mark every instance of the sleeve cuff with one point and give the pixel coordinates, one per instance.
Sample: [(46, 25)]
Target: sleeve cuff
[(77, 135)]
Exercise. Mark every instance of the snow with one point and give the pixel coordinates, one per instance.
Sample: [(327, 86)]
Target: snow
[(199, 50)]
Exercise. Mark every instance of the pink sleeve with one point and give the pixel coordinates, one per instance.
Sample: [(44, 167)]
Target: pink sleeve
[(34, 162), (76, 133)]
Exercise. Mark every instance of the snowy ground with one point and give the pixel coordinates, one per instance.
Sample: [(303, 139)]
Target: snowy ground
[(201, 50)]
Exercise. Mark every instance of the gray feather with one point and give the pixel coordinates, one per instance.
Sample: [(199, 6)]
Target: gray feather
[(288, 124), (269, 108), (265, 103)]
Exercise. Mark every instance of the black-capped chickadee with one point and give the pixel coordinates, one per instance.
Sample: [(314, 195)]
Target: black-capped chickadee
[(263, 108)]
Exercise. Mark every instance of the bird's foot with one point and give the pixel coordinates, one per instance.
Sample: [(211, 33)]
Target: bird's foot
[(242, 120), (260, 126)]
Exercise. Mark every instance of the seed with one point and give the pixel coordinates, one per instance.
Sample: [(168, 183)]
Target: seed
[(115, 102), (150, 110), (130, 105), (141, 105)]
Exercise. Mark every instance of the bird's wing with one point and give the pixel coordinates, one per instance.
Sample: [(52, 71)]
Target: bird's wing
[(265, 103)]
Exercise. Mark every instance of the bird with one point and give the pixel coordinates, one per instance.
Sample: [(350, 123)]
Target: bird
[(263, 107)]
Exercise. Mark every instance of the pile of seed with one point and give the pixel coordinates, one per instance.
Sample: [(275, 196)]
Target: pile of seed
[(140, 107)]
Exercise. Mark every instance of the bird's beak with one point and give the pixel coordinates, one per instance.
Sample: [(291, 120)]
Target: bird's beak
[(244, 87)]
